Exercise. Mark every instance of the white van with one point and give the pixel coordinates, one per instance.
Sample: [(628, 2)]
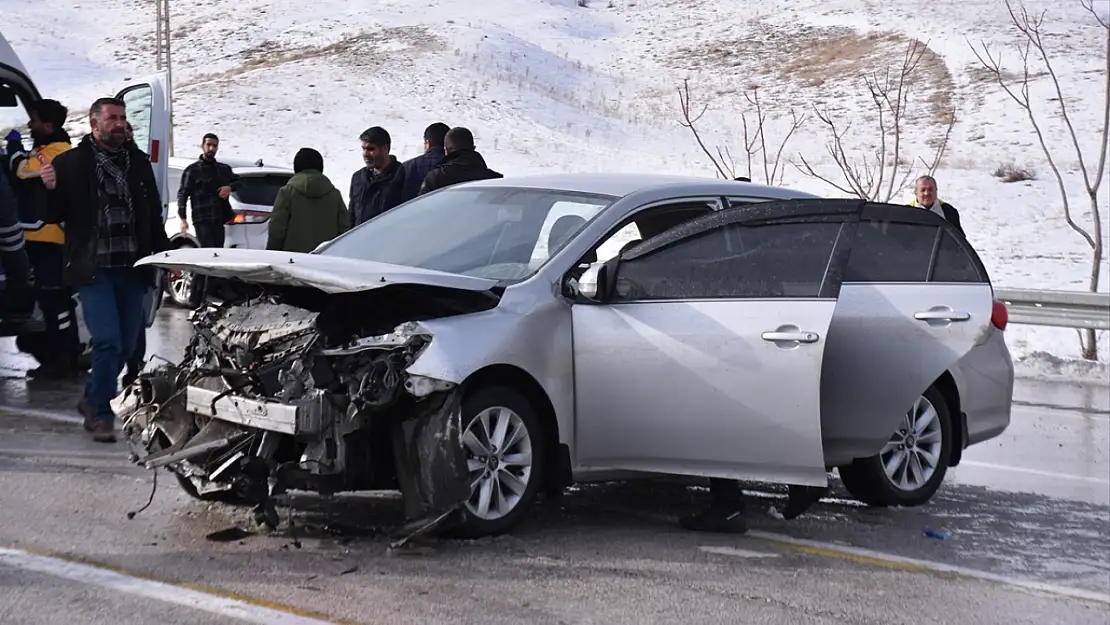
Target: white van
[(148, 110)]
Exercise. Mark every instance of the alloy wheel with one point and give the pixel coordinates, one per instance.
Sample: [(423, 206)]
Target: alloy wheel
[(911, 455), (499, 459)]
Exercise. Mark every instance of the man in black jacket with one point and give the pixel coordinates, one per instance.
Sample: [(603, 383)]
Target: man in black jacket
[(379, 186), (462, 163), (416, 168), (105, 192), (206, 184)]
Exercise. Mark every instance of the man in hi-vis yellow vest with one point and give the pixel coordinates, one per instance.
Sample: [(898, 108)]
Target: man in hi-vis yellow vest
[(58, 349)]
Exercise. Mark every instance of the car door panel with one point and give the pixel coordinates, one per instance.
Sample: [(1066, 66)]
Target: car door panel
[(723, 380), (693, 388), (893, 334), (148, 109)]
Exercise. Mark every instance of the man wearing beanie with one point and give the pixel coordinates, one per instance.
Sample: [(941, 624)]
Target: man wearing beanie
[(309, 209)]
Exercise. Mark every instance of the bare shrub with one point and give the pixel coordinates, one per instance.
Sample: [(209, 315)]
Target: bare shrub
[(882, 174), (1033, 43), (1009, 172), (754, 136)]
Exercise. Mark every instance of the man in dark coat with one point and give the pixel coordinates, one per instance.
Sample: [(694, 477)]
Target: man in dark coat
[(106, 194), (415, 169), (379, 186), (462, 163), (925, 196), (206, 185), (17, 295)]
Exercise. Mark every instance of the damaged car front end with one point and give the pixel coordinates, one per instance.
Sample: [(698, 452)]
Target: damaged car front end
[(296, 381)]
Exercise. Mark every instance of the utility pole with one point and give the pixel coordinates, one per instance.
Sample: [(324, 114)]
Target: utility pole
[(163, 56)]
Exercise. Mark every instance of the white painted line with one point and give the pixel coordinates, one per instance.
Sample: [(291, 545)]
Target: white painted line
[(736, 553), (1062, 476), (160, 591), (900, 561), (46, 415)]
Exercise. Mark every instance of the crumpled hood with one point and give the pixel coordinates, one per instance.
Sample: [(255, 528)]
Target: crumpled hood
[(311, 183), (331, 274)]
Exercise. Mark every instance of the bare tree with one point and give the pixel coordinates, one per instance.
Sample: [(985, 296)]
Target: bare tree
[(754, 137), (882, 173), (1033, 43)]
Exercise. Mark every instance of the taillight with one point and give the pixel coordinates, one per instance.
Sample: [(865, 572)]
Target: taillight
[(999, 315), (249, 217)]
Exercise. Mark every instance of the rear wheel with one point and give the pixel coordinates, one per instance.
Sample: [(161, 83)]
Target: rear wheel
[(179, 285), (912, 465), (506, 450)]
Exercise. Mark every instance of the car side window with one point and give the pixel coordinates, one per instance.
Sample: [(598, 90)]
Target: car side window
[(886, 251), (783, 260), (953, 264)]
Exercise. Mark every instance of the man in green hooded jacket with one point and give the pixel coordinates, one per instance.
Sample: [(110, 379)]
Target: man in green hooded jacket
[(308, 210)]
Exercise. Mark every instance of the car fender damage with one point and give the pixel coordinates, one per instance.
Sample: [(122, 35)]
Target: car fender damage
[(289, 388)]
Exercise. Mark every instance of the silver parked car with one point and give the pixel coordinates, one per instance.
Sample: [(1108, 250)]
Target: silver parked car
[(486, 341)]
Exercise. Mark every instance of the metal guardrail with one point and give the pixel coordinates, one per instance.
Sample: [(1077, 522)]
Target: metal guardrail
[(1058, 309)]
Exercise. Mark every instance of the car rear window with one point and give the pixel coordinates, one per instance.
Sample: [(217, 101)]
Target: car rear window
[(953, 263), (887, 251), (260, 190)]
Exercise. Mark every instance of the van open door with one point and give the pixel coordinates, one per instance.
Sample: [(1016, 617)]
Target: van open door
[(148, 110)]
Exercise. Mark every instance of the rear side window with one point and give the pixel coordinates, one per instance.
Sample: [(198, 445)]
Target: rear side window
[(735, 261), (260, 190), (886, 251), (953, 263)]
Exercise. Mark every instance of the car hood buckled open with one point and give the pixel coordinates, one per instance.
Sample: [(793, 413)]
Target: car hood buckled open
[(330, 274)]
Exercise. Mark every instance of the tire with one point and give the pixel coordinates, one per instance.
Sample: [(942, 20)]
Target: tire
[(180, 290), (867, 479), (502, 512)]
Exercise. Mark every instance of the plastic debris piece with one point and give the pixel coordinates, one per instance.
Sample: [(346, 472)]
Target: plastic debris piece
[(937, 534)]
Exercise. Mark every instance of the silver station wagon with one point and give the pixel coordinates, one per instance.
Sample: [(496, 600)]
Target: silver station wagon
[(492, 340)]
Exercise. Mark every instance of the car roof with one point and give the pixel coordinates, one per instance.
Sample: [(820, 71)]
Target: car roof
[(240, 166), (622, 184)]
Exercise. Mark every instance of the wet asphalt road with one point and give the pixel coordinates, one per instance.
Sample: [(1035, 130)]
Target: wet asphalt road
[(1033, 505)]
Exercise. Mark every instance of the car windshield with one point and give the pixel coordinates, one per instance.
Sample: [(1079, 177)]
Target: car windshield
[(260, 190), (501, 233)]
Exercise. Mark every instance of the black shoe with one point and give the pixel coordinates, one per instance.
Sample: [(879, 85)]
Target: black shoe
[(716, 520), (801, 499)]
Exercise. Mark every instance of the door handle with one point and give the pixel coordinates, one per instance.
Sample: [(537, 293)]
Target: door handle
[(794, 337), (941, 315)]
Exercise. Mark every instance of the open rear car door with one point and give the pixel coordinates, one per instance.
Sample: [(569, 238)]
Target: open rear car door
[(703, 355), (148, 110)]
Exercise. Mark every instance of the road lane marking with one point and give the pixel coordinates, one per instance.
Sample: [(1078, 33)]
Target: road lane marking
[(186, 595), (868, 556), (1062, 476), (736, 553), (46, 415)]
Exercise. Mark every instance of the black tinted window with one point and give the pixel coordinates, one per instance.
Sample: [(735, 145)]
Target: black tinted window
[(782, 260), (886, 251), (953, 264), (260, 190)]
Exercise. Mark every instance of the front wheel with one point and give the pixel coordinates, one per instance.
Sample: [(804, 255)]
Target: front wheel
[(911, 466), (506, 456)]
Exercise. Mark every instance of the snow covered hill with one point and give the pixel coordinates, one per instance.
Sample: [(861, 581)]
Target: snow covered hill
[(553, 85)]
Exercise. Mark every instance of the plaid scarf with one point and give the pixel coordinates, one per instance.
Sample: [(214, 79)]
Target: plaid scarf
[(106, 166), (116, 245)]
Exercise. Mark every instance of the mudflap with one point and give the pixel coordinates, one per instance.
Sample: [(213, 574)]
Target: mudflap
[(431, 464)]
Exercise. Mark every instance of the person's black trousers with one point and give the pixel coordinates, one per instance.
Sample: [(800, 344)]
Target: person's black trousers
[(208, 235), (59, 344)]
